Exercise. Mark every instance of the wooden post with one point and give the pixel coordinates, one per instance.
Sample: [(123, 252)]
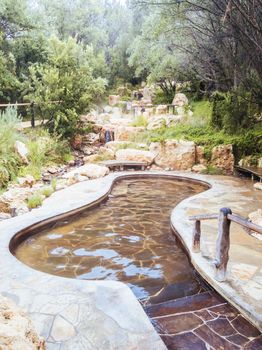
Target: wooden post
[(196, 237), (32, 115), (222, 244)]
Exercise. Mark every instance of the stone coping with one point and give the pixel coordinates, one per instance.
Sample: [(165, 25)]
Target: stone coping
[(77, 314)]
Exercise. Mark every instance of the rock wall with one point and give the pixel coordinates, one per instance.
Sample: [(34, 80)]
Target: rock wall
[(223, 158), (16, 329), (174, 154)]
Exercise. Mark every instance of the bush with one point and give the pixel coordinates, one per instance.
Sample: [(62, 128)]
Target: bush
[(47, 191), (245, 142), (233, 110), (140, 121), (9, 160), (35, 200), (44, 150)]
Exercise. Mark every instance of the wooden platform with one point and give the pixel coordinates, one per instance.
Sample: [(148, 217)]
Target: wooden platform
[(253, 171), (121, 165)]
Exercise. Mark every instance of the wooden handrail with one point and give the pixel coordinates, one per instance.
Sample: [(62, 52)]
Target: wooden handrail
[(225, 217), (245, 223), (203, 217)]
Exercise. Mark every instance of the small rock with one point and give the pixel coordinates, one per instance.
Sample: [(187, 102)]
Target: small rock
[(5, 216), (27, 181), (22, 151), (258, 186), (53, 170)]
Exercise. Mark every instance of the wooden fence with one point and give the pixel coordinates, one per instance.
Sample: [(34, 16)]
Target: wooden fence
[(225, 217)]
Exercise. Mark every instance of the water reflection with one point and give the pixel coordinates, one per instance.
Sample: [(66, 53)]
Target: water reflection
[(127, 238)]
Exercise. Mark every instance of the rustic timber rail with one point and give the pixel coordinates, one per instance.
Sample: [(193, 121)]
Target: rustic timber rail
[(225, 217), (254, 171)]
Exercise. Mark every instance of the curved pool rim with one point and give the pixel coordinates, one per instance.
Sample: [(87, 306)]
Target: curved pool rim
[(29, 231), (216, 185)]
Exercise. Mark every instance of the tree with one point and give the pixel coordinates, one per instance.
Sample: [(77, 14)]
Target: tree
[(64, 87)]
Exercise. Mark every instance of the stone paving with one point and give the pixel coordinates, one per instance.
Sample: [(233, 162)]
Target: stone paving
[(75, 314), (243, 287)]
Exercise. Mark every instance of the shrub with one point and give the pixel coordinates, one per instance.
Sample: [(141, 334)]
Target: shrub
[(54, 183), (44, 150), (47, 191), (9, 160), (233, 110), (212, 170), (35, 200), (140, 121)]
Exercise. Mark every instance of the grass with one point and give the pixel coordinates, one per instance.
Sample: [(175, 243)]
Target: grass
[(133, 145), (9, 161), (44, 150), (35, 200), (140, 121), (245, 142), (47, 191)]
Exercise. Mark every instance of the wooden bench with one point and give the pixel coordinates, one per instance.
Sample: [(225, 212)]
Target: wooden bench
[(112, 164), (253, 171)]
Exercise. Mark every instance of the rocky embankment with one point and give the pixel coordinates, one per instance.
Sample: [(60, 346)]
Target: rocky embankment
[(16, 330)]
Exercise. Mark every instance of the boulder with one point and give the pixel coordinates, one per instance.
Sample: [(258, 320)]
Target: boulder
[(174, 154), (90, 171), (180, 100), (77, 141), (259, 163), (161, 109), (22, 151), (16, 329), (136, 155), (113, 100), (125, 133), (258, 186), (156, 123), (14, 198), (256, 217), (223, 158), (200, 155), (104, 154)]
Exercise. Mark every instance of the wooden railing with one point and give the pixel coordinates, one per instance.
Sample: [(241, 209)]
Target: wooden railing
[(225, 217)]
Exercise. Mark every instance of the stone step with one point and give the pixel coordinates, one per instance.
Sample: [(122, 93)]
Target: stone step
[(203, 321), (185, 304), (174, 291)]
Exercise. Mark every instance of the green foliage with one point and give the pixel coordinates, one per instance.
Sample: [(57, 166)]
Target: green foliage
[(54, 183), (47, 191), (212, 170), (233, 110), (140, 121), (35, 200), (67, 78), (245, 142), (9, 161), (133, 145), (202, 109), (44, 150)]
